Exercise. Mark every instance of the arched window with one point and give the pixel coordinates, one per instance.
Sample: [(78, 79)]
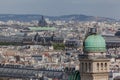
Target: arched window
[(89, 67), (105, 66), (101, 66), (97, 66), (82, 68), (85, 66)]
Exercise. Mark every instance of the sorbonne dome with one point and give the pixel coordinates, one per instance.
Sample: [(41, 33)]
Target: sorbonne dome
[(94, 43)]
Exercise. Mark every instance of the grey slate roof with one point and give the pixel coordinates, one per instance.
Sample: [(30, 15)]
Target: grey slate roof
[(112, 39)]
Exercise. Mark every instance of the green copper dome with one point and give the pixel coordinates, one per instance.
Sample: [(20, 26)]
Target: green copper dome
[(95, 43)]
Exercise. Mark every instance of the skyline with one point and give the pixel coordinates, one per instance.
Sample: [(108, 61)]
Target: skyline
[(103, 8)]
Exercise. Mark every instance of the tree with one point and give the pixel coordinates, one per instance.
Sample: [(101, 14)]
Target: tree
[(58, 46)]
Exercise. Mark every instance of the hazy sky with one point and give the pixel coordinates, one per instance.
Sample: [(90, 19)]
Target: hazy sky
[(105, 8)]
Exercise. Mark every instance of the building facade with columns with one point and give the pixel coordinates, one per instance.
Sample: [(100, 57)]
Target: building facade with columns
[(94, 63)]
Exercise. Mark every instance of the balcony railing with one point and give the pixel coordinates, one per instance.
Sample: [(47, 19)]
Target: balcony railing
[(83, 56)]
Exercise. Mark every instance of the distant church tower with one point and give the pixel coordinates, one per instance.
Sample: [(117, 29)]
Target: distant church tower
[(94, 64), (42, 22)]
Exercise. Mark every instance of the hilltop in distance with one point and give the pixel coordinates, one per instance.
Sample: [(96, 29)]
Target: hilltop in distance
[(30, 17)]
